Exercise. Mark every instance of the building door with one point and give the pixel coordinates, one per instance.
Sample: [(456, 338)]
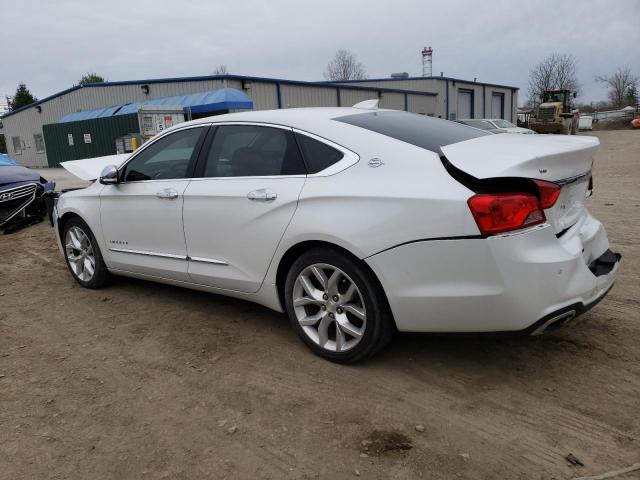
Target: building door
[(497, 105), (465, 104)]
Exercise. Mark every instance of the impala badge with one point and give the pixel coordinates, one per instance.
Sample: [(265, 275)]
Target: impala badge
[(375, 162)]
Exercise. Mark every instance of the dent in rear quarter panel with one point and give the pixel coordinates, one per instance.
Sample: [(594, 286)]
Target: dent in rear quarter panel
[(410, 197)]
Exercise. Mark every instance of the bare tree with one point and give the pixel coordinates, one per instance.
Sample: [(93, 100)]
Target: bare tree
[(221, 70), (345, 66), (623, 86), (556, 71)]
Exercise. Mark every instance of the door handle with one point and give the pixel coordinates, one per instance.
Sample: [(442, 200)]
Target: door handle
[(262, 195), (167, 194)]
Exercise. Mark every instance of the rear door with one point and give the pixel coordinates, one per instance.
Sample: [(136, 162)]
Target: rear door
[(237, 211)]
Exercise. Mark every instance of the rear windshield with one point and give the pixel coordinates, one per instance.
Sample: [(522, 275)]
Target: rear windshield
[(419, 130)]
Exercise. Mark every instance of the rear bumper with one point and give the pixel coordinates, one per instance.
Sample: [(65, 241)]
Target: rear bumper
[(509, 283)]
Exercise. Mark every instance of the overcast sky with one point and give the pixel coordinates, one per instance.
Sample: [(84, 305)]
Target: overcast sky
[(50, 44)]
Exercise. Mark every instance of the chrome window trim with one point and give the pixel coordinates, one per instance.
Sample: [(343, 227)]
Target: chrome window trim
[(350, 157)]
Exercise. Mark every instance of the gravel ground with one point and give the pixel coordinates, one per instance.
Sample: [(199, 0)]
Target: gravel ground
[(148, 381)]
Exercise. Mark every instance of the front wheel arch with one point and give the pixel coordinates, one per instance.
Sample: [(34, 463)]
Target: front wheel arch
[(62, 221)]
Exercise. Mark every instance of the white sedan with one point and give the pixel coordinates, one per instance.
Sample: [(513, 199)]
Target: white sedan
[(508, 127), (354, 221)]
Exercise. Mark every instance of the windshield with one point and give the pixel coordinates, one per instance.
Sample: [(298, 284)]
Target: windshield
[(419, 130), (553, 97), (482, 124), (503, 123)]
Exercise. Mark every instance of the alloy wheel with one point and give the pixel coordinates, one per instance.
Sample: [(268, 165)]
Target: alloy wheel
[(329, 307), (80, 254)]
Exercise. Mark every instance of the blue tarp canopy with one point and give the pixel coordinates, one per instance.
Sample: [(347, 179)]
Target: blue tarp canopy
[(6, 160), (202, 102)]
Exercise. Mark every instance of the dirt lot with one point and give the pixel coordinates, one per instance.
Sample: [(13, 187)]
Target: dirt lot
[(147, 381)]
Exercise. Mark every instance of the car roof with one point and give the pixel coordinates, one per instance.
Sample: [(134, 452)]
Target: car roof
[(294, 117)]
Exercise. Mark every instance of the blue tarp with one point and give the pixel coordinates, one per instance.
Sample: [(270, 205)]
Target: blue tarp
[(203, 102), (6, 160)]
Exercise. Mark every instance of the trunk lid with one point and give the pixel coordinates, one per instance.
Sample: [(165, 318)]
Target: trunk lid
[(565, 160)]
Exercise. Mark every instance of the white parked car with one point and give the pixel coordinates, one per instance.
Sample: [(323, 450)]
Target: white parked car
[(508, 127), (355, 221)]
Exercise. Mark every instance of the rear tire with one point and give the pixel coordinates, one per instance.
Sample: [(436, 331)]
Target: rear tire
[(337, 306), (82, 254)]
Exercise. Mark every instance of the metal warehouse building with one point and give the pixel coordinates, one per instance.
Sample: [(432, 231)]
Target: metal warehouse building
[(443, 97)]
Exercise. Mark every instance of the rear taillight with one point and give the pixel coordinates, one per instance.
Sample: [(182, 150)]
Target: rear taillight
[(549, 193), (502, 212)]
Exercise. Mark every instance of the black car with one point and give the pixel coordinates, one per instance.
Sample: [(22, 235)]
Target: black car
[(22, 196)]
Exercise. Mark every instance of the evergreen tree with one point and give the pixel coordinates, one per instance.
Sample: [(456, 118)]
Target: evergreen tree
[(22, 97)]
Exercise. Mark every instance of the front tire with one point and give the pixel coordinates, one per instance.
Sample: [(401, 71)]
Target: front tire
[(337, 306), (82, 254)]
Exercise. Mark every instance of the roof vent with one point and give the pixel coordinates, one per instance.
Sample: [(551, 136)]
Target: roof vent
[(368, 104)]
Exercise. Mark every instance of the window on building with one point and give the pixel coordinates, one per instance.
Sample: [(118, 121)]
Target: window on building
[(17, 145), (253, 151), (318, 155), (38, 140)]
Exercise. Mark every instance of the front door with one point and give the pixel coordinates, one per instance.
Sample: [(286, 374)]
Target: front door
[(142, 214), (236, 214)]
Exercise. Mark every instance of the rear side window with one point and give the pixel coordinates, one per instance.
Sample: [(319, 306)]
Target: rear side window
[(317, 155), (419, 130), (253, 151)]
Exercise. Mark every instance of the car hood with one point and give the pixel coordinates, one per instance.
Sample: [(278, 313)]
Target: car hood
[(547, 157), (90, 168), (15, 174)]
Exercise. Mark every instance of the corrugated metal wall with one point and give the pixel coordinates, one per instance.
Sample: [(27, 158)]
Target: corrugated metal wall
[(303, 96), (264, 93), (103, 133), (348, 98)]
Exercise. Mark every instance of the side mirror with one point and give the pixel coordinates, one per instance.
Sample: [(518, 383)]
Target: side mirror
[(109, 175)]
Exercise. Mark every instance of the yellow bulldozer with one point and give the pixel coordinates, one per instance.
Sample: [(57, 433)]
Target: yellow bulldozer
[(556, 113)]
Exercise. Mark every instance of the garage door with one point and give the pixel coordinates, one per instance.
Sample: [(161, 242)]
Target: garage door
[(465, 100), (497, 105)]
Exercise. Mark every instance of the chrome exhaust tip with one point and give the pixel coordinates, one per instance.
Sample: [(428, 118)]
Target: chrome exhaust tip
[(554, 323)]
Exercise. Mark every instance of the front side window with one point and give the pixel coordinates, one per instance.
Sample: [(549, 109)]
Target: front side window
[(253, 151), (167, 158), (39, 142), (318, 155)]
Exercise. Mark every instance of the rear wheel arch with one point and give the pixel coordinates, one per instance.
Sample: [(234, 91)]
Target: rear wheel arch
[(294, 252)]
